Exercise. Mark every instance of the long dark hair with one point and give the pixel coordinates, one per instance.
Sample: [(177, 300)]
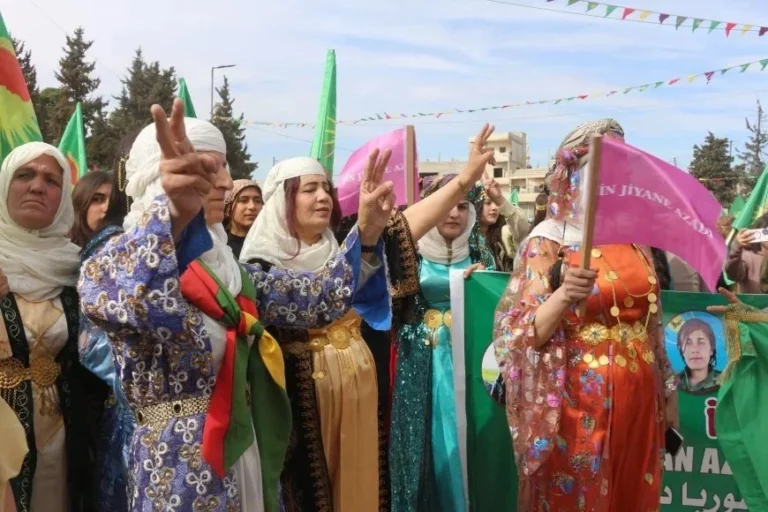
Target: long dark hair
[(692, 326), (82, 197), (540, 206)]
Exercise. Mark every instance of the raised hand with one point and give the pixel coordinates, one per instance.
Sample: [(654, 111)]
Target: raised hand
[(730, 297), (376, 198), (492, 188), (479, 157), (186, 176)]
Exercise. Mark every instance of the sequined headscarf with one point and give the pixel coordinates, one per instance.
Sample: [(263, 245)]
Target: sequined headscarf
[(565, 177)]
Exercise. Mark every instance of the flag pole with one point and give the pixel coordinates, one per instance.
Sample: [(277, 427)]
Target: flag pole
[(410, 169), (592, 183)]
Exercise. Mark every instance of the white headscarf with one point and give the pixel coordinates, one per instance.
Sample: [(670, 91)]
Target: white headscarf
[(142, 171), (434, 247), (38, 263), (269, 238)]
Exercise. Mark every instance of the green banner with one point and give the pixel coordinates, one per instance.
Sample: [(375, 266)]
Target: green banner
[(697, 477)]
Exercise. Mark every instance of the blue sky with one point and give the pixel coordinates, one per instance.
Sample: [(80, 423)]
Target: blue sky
[(426, 55)]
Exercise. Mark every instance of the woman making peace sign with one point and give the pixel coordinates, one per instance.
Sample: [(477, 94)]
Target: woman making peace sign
[(205, 380)]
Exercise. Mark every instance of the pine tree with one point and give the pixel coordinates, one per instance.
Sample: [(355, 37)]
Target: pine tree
[(78, 84), (144, 85), (234, 134), (48, 101), (753, 155), (712, 165)]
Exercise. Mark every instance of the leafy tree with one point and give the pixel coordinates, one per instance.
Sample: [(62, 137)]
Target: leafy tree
[(49, 99), (712, 165), (753, 155), (234, 134)]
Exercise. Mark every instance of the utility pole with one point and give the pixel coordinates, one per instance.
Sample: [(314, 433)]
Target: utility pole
[(758, 133)]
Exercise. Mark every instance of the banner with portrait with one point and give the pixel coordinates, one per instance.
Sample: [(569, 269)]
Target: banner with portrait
[(698, 478)]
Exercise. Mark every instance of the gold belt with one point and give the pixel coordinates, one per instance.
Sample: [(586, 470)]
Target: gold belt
[(157, 416), (595, 334), (43, 371), (434, 319)]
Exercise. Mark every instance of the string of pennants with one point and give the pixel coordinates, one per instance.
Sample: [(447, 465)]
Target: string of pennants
[(384, 116), (636, 14)]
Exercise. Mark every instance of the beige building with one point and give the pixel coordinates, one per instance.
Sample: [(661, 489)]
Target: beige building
[(510, 169)]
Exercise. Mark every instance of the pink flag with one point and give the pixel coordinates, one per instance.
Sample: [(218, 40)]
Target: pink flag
[(350, 177), (647, 201)]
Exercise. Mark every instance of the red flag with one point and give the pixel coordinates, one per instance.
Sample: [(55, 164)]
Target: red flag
[(728, 28), (627, 12)]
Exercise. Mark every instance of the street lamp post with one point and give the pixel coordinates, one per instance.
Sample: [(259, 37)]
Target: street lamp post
[(214, 68)]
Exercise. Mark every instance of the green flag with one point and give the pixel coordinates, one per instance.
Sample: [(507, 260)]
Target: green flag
[(756, 204), (514, 198), (737, 206), (324, 144), (18, 124), (189, 107), (73, 145)]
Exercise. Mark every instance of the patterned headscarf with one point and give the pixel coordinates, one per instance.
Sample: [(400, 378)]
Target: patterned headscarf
[(572, 155), (231, 197)]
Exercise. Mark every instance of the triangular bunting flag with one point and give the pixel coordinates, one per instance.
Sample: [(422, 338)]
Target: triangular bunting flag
[(692, 78), (663, 17), (628, 89), (745, 29), (728, 28), (644, 15), (679, 21), (744, 67), (709, 75), (763, 63), (713, 25), (673, 81), (609, 10), (724, 71), (591, 5), (571, 2), (658, 84), (643, 88), (696, 24), (627, 12)]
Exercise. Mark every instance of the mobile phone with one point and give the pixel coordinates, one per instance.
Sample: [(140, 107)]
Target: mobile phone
[(673, 441)]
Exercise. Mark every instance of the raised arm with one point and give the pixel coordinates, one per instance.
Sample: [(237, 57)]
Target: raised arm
[(427, 213), (514, 215)]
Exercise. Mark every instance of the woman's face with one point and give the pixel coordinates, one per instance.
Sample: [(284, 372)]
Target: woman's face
[(247, 207), (97, 208), (490, 213), (213, 203), (34, 193), (456, 222), (697, 350), (313, 206)]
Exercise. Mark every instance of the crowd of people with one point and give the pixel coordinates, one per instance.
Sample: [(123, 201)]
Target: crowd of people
[(173, 340)]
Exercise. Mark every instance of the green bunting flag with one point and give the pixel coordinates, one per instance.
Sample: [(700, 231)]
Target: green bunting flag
[(189, 107), (609, 9), (18, 124), (696, 24), (591, 5), (679, 21), (324, 143), (73, 145)]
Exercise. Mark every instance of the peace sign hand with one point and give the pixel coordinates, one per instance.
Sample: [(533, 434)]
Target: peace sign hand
[(376, 198), (479, 156), (186, 176), (492, 188)]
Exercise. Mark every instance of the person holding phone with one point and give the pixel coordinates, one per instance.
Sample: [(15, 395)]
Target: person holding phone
[(746, 257)]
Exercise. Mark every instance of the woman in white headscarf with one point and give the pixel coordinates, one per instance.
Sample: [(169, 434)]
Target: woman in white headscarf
[(40, 376), (205, 380), (331, 375)]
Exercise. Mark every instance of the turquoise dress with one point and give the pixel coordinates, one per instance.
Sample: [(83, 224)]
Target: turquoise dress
[(447, 482)]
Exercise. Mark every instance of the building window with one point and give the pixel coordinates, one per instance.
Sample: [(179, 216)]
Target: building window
[(502, 149), (498, 172)]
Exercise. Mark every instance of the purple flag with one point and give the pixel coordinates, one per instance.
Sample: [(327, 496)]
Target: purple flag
[(644, 200), (350, 177)]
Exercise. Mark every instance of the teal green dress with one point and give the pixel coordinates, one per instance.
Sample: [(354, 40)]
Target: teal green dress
[(425, 465)]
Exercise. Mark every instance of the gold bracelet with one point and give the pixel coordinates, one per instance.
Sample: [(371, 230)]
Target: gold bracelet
[(464, 188)]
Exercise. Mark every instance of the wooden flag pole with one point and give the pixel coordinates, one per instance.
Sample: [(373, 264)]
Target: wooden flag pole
[(592, 182), (410, 167)]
